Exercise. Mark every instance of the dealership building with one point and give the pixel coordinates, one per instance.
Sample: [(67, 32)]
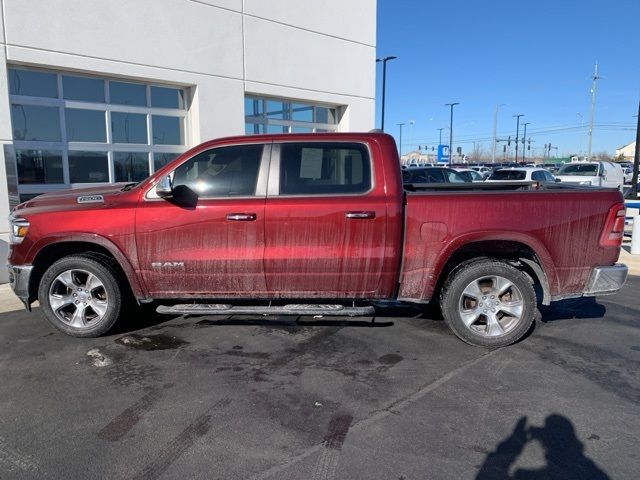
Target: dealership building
[(97, 91)]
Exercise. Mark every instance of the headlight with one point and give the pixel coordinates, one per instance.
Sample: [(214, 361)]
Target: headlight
[(18, 229)]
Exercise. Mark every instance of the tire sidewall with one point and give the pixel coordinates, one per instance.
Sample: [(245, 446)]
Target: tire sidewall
[(111, 286), (462, 277)]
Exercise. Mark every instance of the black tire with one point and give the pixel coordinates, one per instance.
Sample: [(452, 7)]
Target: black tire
[(110, 293), (484, 275)]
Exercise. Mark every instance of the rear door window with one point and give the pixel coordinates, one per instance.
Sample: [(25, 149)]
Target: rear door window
[(324, 168)]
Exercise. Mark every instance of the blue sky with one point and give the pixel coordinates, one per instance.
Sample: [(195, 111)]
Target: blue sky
[(536, 57)]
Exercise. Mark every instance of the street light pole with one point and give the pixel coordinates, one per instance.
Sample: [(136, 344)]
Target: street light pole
[(384, 61), (594, 85), (400, 147), (495, 131), (581, 127), (451, 129), (524, 140), (440, 141), (517, 132)]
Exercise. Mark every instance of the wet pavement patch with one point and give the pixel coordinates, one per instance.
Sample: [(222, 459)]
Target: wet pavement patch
[(151, 342), (390, 359)]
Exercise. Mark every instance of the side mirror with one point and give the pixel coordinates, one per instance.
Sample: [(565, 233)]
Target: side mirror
[(163, 188)]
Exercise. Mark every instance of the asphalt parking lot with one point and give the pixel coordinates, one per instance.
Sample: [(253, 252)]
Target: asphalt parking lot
[(395, 397)]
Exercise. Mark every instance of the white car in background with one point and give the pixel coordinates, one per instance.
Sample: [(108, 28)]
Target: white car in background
[(521, 174), (597, 174), (484, 171), (469, 174)]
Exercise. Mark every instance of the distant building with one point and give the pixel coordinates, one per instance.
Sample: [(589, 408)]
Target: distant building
[(417, 156), (627, 152)]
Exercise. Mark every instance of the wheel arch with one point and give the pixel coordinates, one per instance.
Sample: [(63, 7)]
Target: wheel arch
[(536, 263), (50, 250)]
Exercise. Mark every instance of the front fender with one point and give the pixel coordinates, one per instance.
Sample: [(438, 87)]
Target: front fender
[(128, 267)]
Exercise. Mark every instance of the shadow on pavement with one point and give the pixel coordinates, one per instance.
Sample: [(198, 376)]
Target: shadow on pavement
[(583, 307), (564, 453)]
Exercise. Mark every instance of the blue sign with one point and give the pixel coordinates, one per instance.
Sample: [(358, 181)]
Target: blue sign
[(443, 153)]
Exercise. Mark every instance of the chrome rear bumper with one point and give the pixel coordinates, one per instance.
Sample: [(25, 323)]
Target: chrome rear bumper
[(19, 276), (606, 280)]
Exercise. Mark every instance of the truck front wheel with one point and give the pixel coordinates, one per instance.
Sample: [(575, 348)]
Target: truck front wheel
[(80, 295), (488, 303)]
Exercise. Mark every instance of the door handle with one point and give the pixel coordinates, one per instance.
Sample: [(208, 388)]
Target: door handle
[(241, 217), (360, 215)]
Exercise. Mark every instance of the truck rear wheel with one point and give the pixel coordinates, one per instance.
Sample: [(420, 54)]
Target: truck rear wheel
[(488, 303), (80, 295)]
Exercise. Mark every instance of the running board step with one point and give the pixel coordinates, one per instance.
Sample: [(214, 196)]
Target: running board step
[(292, 309)]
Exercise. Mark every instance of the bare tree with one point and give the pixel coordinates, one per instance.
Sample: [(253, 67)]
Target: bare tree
[(603, 156), (478, 152)]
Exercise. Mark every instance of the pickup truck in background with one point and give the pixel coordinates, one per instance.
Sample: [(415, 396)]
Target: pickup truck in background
[(313, 224)]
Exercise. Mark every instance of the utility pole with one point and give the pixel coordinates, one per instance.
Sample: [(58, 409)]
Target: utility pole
[(524, 140), (581, 127), (411, 123), (384, 61), (517, 131), (636, 160), (451, 130), (495, 131), (440, 141), (400, 146), (594, 85)]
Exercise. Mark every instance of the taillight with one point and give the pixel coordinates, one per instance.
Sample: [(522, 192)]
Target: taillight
[(614, 227)]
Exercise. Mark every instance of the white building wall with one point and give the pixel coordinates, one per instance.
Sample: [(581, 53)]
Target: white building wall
[(301, 49)]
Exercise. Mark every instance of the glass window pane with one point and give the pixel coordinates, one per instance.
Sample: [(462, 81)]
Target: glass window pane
[(35, 123), (277, 110), (324, 168), (325, 115), (39, 166), (127, 93), (128, 127), (253, 107), (302, 113), (222, 172), (85, 125), (88, 167), (167, 97), (32, 83), (83, 88), (167, 130), (276, 129), (160, 159), (130, 166), (25, 197)]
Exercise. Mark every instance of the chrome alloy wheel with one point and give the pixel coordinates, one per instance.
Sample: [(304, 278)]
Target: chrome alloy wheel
[(491, 306), (78, 298)]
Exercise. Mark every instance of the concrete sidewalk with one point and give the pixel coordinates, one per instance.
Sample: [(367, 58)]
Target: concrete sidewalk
[(631, 261)]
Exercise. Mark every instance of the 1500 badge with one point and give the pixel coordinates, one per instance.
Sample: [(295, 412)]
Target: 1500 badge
[(90, 199)]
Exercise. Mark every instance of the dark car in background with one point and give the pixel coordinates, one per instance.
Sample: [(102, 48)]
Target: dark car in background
[(432, 175)]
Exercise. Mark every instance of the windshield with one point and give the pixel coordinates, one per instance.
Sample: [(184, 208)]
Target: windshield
[(582, 169), (508, 175)]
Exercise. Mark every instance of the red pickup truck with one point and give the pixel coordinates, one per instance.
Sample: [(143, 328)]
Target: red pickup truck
[(317, 224)]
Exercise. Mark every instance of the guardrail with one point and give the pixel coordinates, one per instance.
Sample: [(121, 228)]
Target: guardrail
[(635, 230)]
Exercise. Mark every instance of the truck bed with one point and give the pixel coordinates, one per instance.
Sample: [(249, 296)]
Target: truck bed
[(560, 224)]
